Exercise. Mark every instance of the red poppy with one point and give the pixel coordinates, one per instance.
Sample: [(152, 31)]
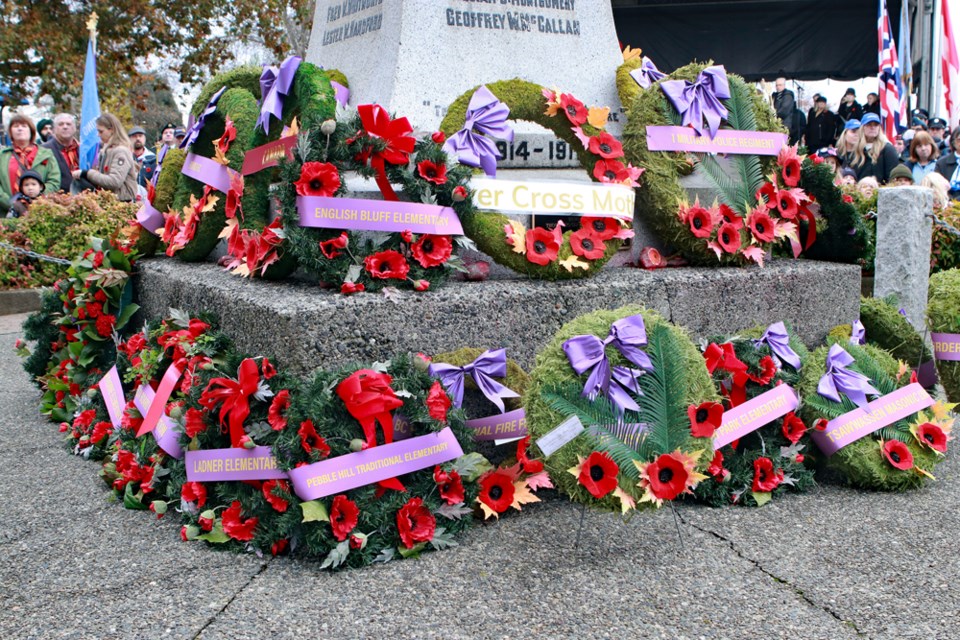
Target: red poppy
[(267, 368), (768, 193), (604, 228), (898, 454), (928, 434), (194, 423), (235, 527), (605, 146), (575, 111), (386, 265), (848, 198), (790, 166), (793, 427), (821, 424), (610, 171), (438, 402), (343, 517), (700, 221), (330, 248), (543, 245), (650, 258), (431, 251), (496, 490), (666, 477), (432, 171), (764, 477), (729, 215), (459, 194), (526, 464), (586, 243), (787, 204), (728, 237), (311, 441), (415, 523), (318, 179), (352, 287), (449, 484), (598, 474), (278, 503), (761, 225), (279, 547), (194, 492), (705, 419), (716, 467), (421, 285), (278, 407), (768, 369)]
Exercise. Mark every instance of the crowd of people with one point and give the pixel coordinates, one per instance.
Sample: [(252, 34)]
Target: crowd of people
[(44, 158)]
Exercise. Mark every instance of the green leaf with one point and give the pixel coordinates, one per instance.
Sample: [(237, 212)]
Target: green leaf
[(314, 511), (471, 466), (126, 314), (442, 539), (132, 500), (179, 317), (762, 497), (337, 555), (215, 535), (386, 555), (413, 552)]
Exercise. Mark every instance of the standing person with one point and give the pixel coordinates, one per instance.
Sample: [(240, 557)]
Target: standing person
[(822, 127), (167, 138), (146, 159), (873, 104), (875, 156), (20, 157), (849, 107), (784, 104), (947, 165), (923, 156), (116, 169), (938, 128), (907, 141), (847, 144), (44, 130), (65, 149)]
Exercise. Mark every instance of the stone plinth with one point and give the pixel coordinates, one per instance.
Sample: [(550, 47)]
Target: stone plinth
[(902, 265), (305, 327)]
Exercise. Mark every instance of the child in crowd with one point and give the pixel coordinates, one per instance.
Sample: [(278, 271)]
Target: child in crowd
[(848, 177), (867, 187), (29, 187), (829, 156), (941, 190), (901, 176)]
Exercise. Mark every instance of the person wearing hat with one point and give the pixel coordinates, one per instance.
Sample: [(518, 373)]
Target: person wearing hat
[(828, 155), (167, 138), (848, 176), (949, 168), (21, 156), (847, 144), (937, 128), (145, 159), (29, 189), (875, 156), (44, 130), (179, 135), (822, 126), (901, 176), (849, 107), (923, 156)]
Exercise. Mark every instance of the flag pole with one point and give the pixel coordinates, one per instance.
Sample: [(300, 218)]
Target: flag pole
[(92, 28)]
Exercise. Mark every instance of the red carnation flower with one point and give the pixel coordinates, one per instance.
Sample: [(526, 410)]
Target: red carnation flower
[(611, 171), (438, 402), (343, 517), (97, 259), (194, 492), (574, 110), (764, 477), (311, 441), (415, 523), (586, 243), (330, 248), (193, 422), (928, 434), (105, 325), (847, 198), (352, 287), (85, 419), (526, 464), (768, 369), (235, 527), (279, 547), (386, 265), (728, 237), (278, 407), (667, 477), (318, 179), (793, 427), (761, 225), (542, 245), (100, 431), (496, 490), (705, 419), (431, 250), (604, 228), (432, 171), (700, 221), (605, 146), (898, 454), (449, 484), (460, 194), (278, 503), (598, 474)]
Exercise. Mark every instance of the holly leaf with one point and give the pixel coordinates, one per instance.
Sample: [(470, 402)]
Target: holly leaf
[(215, 535), (378, 238), (522, 495), (383, 367), (471, 466), (442, 539), (762, 497), (574, 262), (539, 481), (516, 236), (413, 552), (385, 556), (314, 511), (463, 242), (337, 555), (455, 263), (454, 511), (788, 480), (179, 317)]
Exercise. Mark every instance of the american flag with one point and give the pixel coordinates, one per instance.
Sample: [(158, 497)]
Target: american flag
[(892, 112)]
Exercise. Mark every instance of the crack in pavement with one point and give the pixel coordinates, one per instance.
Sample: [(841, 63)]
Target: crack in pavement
[(803, 596), (213, 618)]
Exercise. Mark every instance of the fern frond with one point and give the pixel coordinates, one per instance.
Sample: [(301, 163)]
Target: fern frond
[(662, 406), (622, 453), (566, 400), (730, 190)]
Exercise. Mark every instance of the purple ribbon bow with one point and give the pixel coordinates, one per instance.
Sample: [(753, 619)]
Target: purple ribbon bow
[(700, 99), (858, 333), (777, 339), (588, 353), (197, 126), (647, 74), (486, 116), (839, 379), (488, 365), (342, 93), (161, 154), (274, 86)]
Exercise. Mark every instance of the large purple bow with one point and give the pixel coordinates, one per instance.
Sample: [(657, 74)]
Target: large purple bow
[(839, 379), (588, 353), (858, 333), (486, 116), (274, 86), (700, 99), (777, 339), (197, 126), (647, 74), (488, 365)]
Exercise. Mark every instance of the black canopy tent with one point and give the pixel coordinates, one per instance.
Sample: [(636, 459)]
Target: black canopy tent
[(799, 39)]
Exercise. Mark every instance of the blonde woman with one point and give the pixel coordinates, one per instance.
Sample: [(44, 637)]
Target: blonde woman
[(847, 144), (116, 169), (941, 190), (874, 156)]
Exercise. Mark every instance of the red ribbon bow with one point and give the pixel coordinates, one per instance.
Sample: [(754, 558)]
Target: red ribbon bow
[(369, 399), (725, 358), (399, 144), (235, 396)]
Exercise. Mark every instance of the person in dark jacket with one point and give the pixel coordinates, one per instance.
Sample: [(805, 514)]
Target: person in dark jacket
[(146, 159), (65, 149), (44, 130), (849, 107), (822, 127), (947, 165), (784, 104), (875, 156), (873, 104), (937, 128)]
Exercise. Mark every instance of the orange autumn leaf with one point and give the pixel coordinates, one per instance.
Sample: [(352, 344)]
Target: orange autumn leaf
[(516, 236), (522, 495), (597, 116), (630, 53)]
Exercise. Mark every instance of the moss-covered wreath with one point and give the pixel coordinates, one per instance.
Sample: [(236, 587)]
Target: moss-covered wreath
[(611, 465), (943, 316), (598, 154)]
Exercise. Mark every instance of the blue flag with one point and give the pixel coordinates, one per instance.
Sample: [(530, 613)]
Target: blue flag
[(89, 112)]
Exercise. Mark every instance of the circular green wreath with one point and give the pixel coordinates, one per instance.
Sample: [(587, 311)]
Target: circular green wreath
[(527, 102), (736, 473), (863, 462), (943, 316), (843, 236), (679, 383)]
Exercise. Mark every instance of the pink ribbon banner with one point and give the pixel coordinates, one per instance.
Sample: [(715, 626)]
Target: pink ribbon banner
[(353, 470), (377, 215), (753, 414), (268, 155), (207, 171), (224, 465), (156, 409), (112, 391), (165, 431), (502, 426), (760, 143), (149, 218), (946, 346), (861, 422)]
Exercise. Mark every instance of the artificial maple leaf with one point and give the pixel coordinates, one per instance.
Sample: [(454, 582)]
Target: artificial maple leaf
[(522, 495), (232, 223), (487, 511), (626, 501), (516, 236), (941, 410), (292, 130), (539, 481), (582, 137), (629, 53), (218, 155), (924, 472), (597, 116), (574, 261), (553, 101), (211, 202), (902, 368), (755, 253)]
